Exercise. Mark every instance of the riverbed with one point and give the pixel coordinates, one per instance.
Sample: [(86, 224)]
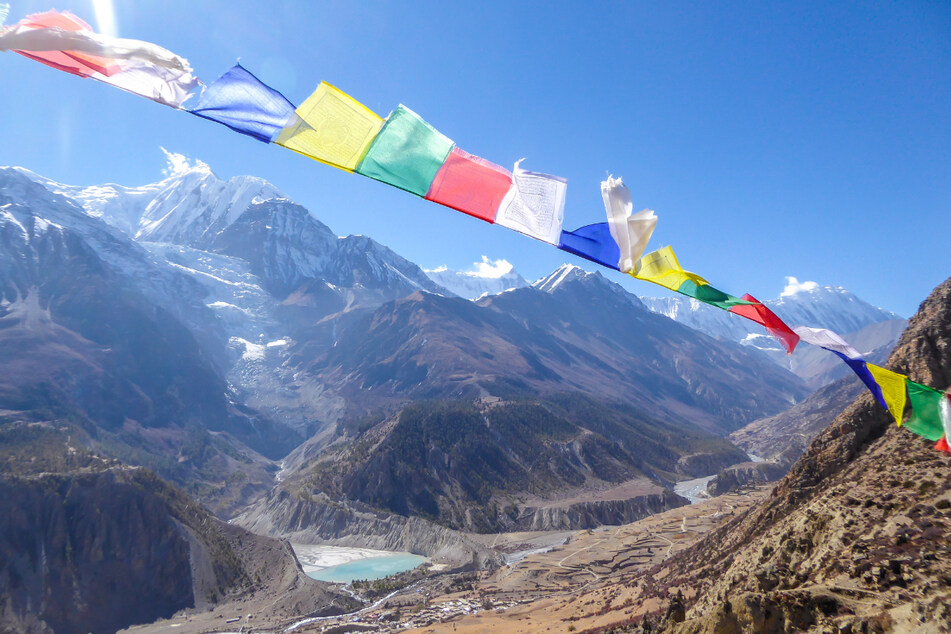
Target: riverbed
[(694, 490)]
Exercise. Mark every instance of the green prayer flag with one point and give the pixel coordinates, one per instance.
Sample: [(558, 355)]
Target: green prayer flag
[(925, 414), (710, 295), (407, 153)]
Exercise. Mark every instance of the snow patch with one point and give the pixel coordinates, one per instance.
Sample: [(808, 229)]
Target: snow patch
[(252, 351)]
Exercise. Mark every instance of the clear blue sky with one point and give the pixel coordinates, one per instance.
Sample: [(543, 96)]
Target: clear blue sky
[(772, 139)]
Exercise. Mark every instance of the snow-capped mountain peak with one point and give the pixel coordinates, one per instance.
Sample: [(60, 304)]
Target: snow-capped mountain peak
[(561, 275), (194, 204), (832, 307)]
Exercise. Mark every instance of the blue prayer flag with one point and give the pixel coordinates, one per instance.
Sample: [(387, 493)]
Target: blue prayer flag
[(592, 242), (242, 102)]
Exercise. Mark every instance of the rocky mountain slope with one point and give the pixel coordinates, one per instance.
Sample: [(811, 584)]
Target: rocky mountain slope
[(94, 547), (854, 538), (89, 336), (566, 461), (547, 338)]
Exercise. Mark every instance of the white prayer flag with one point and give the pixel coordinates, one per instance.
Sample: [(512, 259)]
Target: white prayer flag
[(30, 39), (632, 232), (63, 41), (826, 339), (534, 205)]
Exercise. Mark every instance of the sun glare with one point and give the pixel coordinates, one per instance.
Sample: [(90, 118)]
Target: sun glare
[(105, 17)]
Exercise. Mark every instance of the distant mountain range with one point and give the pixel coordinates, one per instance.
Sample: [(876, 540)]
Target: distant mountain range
[(871, 330), (487, 278)]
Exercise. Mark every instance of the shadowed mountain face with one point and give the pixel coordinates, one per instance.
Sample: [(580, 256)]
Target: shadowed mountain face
[(855, 537), (584, 333), (91, 546), (499, 464)]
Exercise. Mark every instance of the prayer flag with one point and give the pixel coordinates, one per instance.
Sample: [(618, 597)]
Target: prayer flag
[(592, 242), (925, 419), (892, 385), (65, 42), (632, 232), (945, 410), (662, 268), (407, 153), (471, 185), (762, 315), (828, 340), (242, 102), (331, 127), (534, 205)]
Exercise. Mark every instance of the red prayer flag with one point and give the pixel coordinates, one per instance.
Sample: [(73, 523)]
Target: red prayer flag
[(765, 317), (81, 64), (942, 445), (470, 184)]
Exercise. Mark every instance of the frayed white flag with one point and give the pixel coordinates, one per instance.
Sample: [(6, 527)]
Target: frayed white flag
[(632, 232)]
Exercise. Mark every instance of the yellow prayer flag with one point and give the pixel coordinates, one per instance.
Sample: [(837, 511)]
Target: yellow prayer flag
[(332, 127), (661, 267), (893, 389)]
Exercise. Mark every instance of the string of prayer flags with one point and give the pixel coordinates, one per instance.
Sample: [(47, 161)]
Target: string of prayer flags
[(630, 231), (662, 268), (761, 314), (534, 205), (892, 386), (63, 41), (332, 127), (407, 153), (944, 409), (925, 419), (828, 340), (592, 242), (470, 184), (242, 102)]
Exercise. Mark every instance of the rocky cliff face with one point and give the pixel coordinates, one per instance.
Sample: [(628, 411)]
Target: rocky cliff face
[(855, 538), (585, 515), (100, 549), (318, 519)]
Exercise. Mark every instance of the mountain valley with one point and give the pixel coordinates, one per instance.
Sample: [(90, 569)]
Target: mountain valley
[(209, 351)]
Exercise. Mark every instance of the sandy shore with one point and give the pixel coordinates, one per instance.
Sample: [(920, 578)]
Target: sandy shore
[(314, 557)]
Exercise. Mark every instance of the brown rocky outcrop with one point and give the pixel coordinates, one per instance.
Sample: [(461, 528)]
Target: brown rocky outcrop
[(854, 538), (96, 550)]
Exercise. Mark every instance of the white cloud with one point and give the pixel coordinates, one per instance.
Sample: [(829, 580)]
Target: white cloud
[(490, 268), (793, 286), (177, 163), (487, 268)]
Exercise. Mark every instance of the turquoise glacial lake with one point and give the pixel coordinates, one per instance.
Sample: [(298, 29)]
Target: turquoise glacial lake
[(369, 568)]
